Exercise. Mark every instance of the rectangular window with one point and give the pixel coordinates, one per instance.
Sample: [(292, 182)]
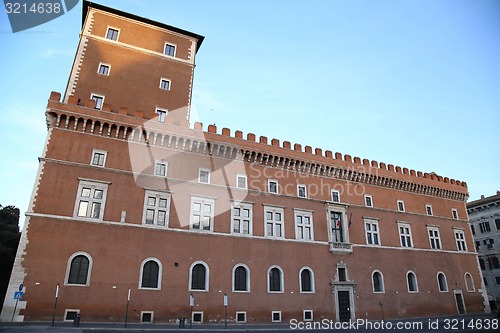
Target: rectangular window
[(98, 157), (161, 168), (494, 263), (308, 315), (484, 227), (276, 316), (241, 181), (103, 69), (337, 227), (241, 219), (98, 101), (147, 316), (372, 232), (301, 191), (405, 235), (156, 208), (454, 213), (472, 229), (70, 314), (272, 186), (197, 317), (368, 201), (170, 49), (497, 224), (478, 245), (434, 238), (303, 225), (90, 199), (428, 209), (335, 196), (162, 115), (241, 317), (112, 33), (489, 243), (497, 280), (204, 176), (274, 222), (164, 84), (460, 240), (202, 214), (401, 205)]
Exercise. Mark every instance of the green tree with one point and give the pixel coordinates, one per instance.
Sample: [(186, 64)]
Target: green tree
[(9, 239)]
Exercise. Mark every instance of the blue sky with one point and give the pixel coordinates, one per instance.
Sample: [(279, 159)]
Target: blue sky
[(414, 83)]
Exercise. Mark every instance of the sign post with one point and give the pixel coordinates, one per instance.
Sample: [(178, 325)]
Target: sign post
[(126, 311), (225, 311), (191, 304), (55, 305), (18, 295)]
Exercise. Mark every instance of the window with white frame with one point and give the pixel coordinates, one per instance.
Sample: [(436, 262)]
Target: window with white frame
[(165, 84), (335, 196), (306, 279), (150, 275), (241, 218), (378, 282), (162, 115), (170, 49), (241, 278), (156, 208), (241, 181), (303, 225), (197, 317), (98, 101), (274, 222), (372, 232), (241, 317), (442, 283), (272, 186), (401, 205), (103, 69), (202, 213), (301, 191), (98, 157), (199, 276), (411, 280), (460, 240), (275, 280), (454, 213), (90, 199), (276, 316), (428, 209), (469, 282), (308, 315), (147, 316), (112, 33), (79, 269), (368, 200), (434, 238), (204, 176), (161, 168), (405, 235), (337, 226)]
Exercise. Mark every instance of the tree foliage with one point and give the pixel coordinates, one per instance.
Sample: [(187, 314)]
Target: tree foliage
[(9, 239)]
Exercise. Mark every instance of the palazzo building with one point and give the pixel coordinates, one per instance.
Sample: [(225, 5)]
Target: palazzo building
[(134, 204), (484, 215)]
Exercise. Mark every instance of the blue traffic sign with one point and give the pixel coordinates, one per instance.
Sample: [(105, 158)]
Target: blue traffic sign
[(18, 295), (21, 286)]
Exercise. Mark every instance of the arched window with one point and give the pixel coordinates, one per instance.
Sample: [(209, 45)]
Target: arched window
[(151, 274), (442, 284), (411, 279), (306, 278), (79, 267), (198, 279), (378, 282), (241, 280), (469, 282), (275, 279)]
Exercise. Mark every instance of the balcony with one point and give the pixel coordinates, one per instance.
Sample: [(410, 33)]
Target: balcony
[(340, 247)]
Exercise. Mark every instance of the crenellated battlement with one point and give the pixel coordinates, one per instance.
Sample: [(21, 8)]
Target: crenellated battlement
[(274, 153)]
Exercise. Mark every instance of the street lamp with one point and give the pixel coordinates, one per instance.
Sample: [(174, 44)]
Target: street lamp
[(55, 305), (126, 311)]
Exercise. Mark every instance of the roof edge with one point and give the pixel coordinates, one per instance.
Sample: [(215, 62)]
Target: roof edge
[(88, 4)]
